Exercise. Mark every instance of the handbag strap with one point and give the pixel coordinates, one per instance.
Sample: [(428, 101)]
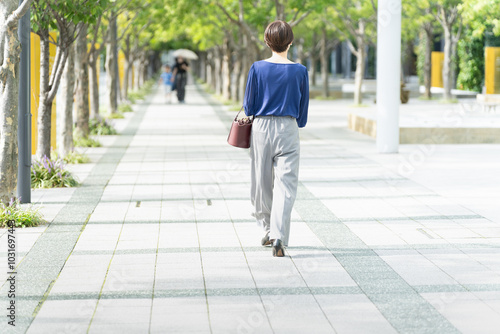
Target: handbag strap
[(239, 114)]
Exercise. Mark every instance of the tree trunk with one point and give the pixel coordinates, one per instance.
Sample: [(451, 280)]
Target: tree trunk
[(300, 50), (280, 10), (235, 88), (314, 59), (324, 62), (447, 63), (111, 68), (65, 127), (218, 63), (82, 87), (428, 55), (127, 77), (358, 75), (44, 104), (242, 76), (226, 73), (453, 63), (210, 65), (10, 51), (203, 66), (94, 85), (143, 68)]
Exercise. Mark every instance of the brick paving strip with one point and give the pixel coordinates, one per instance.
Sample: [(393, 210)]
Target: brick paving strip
[(40, 268)]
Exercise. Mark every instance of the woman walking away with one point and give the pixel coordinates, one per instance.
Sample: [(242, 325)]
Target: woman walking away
[(179, 74), (277, 95)]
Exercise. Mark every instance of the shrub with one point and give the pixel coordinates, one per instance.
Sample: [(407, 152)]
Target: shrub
[(101, 127), (115, 116), (125, 108), (46, 173), (86, 142), (75, 157), (135, 95), (471, 53), (22, 217)]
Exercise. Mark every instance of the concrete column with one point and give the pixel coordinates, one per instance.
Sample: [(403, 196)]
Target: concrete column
[(24, 112), (388, 75)]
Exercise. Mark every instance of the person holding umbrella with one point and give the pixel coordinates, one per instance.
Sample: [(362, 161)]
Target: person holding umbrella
[(179, 74), (179, 71)]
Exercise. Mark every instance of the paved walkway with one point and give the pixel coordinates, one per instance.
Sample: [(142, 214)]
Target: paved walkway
[(159, 239)]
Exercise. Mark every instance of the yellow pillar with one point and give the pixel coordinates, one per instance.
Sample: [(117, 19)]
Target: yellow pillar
[(492, 70), (35, 88), (131, 85), (437, 59), (121, 66), (53, 122)]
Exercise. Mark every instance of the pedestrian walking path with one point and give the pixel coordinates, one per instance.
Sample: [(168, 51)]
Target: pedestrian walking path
[(159, 238)]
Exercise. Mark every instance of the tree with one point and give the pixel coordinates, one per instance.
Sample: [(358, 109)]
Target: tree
[(479, 17), (67, 17), (419, 21), (65, 127), (357, 23), (112, 62), (93, 55), (133, 25), (448, 14), (82, 83), (251, 19), (10, 51)]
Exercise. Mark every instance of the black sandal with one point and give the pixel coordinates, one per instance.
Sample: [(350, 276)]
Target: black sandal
[(266, 241), (278, 250)]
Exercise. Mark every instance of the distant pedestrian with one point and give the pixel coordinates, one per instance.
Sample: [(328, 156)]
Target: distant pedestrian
[(179, 75), (277, 94), (166, 79)]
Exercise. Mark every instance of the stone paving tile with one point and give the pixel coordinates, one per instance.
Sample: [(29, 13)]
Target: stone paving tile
[(465, 311), (179, 315), (344, 310)]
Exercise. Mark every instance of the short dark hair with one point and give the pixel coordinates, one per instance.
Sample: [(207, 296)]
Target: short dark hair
[(278, 36)]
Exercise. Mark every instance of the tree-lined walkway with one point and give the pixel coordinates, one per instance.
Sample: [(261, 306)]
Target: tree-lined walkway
[(160, 239)]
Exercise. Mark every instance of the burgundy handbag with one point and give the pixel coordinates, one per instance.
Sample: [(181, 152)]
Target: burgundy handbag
[(241, 130)]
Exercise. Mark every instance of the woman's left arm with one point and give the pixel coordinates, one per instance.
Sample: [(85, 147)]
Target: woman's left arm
[(250, 92), (304, 101)]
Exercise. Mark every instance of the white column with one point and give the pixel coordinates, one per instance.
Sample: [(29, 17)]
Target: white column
[(388, 74)]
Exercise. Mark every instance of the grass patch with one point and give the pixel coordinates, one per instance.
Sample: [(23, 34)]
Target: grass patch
[(86, 142), (134, 96), (76, 157), (101, 127), (46, 173), (117, 115), (359, 105), (327, 98), (22, 217), (125, 108), (423, 98), (450, 101), (235, 107)]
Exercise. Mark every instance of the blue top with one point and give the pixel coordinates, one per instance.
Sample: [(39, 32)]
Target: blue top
[(277, 89), (166, 78)]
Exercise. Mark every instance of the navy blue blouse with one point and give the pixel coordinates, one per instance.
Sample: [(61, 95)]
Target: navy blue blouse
[(277, 89)]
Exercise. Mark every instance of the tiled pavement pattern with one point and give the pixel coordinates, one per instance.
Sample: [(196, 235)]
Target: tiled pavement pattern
[(159, 239)]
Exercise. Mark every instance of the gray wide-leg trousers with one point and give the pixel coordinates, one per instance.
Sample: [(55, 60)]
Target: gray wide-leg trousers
[(275, 151)]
